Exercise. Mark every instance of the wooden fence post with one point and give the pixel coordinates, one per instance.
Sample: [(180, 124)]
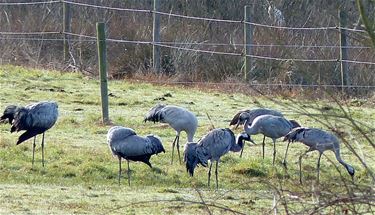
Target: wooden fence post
[(67, 20), (247, 42), (156, 37), (345, 79), (102, 57)]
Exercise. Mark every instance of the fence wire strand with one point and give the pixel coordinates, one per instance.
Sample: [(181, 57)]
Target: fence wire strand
[(27, 3), (29, 33), (264, 85), (176, 43), (107, 7), (211, 19), (89, 38)]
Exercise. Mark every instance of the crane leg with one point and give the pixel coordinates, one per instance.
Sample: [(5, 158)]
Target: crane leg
[(178, 148), (318, 166), (286, 154), (300, 164), (274, 152), (119, 169), (43, 150), (173, 144), (209, 175), (128, 173), (264, 138), (33, 153), (217, 181)]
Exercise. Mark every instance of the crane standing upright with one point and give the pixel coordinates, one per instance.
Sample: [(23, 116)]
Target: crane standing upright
[(270, 126), (249, 115), (34, 118)]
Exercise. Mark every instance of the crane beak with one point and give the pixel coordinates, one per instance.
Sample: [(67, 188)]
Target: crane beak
[(238, 123), (252, 141)]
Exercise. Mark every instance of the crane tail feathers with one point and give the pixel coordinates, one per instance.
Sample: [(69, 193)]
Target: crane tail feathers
[(235, 118), (27, 135)]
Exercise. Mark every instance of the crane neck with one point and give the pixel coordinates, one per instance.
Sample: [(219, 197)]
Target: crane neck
[(249, 129), (348, 167)]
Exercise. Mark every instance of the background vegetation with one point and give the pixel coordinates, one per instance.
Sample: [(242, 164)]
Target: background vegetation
[(135, 60)]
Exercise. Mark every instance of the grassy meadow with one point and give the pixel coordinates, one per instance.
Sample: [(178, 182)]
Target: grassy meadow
[(80, 175)]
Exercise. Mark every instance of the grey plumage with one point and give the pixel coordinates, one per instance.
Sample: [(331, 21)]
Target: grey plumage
[(319, 140), (211, 147), (35, 119), (180, 119), (125, 143), (250, 115), (239, 119), (270, 126)]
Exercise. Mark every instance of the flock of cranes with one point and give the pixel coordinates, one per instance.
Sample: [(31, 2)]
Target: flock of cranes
[(124, 143)]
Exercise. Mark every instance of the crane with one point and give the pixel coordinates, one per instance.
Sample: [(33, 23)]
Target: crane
[(180, 119), (270, 126), (211, 147), (250, 116), (317, 140), (34, 118), (125, 143)]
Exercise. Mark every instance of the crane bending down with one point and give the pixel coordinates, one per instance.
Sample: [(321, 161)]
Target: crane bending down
[(270, 126), (125, 143), (34, 118), (239, 118), (180, 119), (211, 147), (320, 141)]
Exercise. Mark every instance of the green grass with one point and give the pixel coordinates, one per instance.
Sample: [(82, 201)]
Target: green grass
[(81, 175)]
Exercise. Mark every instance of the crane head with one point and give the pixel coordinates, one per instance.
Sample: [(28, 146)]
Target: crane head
[(350, 170), (244, 136), (9, 113)]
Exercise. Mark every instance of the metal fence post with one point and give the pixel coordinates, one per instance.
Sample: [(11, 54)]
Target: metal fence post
[(156, 37), (102, 57), (248, 42), (67, 20), (345, 79)]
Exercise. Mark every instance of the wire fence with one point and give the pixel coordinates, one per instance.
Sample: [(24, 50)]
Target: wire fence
[(187, 46), (174, 45)]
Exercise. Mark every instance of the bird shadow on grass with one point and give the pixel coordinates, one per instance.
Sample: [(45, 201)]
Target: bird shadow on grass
[(159, 171), (251, 172)]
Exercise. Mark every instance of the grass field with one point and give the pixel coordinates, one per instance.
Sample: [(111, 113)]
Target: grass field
[(81, 175)]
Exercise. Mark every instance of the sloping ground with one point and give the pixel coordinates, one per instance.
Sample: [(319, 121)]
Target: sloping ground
[(81, 176)]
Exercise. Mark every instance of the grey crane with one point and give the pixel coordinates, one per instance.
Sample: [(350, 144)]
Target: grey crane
[(239, 119), (180, 119), (270, 126), (317, 140), (211, 147), (252, 114), (34, 118), (125, 143)]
